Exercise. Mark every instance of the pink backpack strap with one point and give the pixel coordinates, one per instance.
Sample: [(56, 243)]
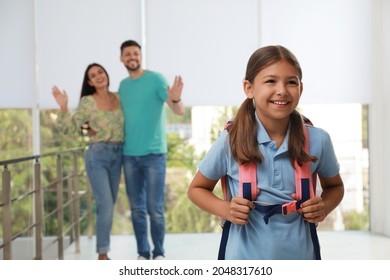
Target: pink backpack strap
[(247, 183), (303, 178), (247, 187), (229, 122)]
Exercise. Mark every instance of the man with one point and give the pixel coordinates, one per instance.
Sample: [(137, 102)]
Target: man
[(143, 95)]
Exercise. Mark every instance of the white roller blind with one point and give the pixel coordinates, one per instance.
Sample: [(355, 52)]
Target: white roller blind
[(17, 73), (72, 34), (207, 42), (332, 40)]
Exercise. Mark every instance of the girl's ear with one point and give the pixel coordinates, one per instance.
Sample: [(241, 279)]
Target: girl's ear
[(248, 88)]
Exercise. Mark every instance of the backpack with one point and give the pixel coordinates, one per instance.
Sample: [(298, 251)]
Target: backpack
[(305, 189)]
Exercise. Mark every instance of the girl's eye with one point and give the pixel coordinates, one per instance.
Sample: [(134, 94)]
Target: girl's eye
[(270, 81), (292, 82)]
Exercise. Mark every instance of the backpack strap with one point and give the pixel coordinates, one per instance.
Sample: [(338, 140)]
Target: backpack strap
[(247, 189), (305, 187), (303, 179), (247, 183)]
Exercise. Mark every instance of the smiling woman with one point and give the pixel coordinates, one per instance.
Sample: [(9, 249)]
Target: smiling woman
[(102, 111)]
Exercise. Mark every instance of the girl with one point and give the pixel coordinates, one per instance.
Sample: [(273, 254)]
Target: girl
[(268, 131), (100, 109)]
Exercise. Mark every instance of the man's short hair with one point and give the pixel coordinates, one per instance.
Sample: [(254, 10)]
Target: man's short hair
[(129, 43)]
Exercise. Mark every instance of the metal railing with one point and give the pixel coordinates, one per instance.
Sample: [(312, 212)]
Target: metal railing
[(63, 205)]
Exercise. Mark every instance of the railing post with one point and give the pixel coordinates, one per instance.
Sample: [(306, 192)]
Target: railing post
[(89, 208), (37, 227), (7, 229), (60, 213), (76, 202), (70, 192), (38, 210)]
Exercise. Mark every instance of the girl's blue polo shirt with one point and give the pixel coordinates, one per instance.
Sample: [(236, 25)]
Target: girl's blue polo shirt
[(284, 237)]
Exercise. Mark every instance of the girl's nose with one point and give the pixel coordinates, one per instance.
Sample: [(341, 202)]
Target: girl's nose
[(281, 89)]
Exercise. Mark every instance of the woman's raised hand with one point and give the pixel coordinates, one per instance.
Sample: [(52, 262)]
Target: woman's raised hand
[(61, 98)]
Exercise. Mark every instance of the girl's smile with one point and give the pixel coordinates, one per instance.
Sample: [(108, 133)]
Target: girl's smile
[(276, 91)]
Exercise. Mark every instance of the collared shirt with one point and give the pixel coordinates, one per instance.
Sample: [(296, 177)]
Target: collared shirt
[(285, 237)]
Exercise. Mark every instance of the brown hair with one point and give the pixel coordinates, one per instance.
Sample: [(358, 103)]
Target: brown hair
[(243, 130), (86, 88), (129, 43)]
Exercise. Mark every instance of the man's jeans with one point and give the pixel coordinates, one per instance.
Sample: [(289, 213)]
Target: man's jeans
[(103, 161), (145, 187)]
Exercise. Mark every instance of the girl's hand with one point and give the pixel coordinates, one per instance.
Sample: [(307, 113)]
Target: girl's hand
[(314, 210), (239, 210)]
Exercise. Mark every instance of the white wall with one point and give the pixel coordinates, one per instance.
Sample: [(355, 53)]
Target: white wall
[(379, 121)]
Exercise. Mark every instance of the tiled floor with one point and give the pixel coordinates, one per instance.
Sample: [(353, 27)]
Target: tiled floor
[(343, 245)]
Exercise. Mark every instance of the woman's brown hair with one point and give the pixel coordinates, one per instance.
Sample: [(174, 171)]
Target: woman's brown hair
[(243, 130)]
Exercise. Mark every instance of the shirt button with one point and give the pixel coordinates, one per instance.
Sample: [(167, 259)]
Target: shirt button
[(276, 172)]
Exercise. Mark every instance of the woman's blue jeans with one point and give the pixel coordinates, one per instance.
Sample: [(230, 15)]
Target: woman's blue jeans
[(145, 187), (103, 161)]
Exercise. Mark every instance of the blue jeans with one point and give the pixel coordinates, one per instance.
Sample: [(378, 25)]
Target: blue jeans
[(103, 161), (145, 187)]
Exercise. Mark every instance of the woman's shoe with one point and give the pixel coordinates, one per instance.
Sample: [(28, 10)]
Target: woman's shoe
[(103, 257)]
